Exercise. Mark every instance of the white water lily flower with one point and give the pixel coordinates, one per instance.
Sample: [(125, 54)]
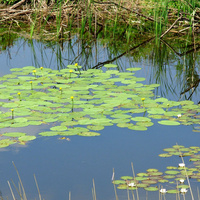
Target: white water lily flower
[(179, 115), (181, 181), (132, 184), (163, 191), (183, 190), (181, 164)]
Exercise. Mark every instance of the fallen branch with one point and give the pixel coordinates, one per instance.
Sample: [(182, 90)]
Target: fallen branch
[(100, 64), (171, 26), (17, 4), (134, 11), (16, 14)]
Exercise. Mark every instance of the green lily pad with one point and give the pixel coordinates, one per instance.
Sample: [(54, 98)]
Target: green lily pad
[(133, 69), (6, 142), (172, 191), (122, 187), (119, 182), (88, 134), (168, 122), (172, 172), (110, 66), (126, 177), (165, 155), (14, 134), (26, 138), (48, 133), (137, 128), (151, 189)]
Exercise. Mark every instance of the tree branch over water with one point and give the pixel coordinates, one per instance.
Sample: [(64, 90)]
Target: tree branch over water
[(100, 64)]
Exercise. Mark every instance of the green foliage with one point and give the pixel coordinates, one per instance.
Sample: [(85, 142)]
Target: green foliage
[(94, 98), (9, 2)]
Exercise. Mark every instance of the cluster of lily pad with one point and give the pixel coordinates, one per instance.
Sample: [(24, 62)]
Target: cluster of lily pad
[(175, 177), (76, 102)]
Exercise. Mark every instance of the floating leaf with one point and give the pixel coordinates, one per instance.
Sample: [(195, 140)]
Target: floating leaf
[(172, 191), (119, 182), (168, 122), (14, 134), (48, 133), (140, 119), (133, 69), (26, 138), (172, 172), (151, 189), (165, 155), (126, 177), (88, 134), (110, 66), (122, 187), (6, 142)]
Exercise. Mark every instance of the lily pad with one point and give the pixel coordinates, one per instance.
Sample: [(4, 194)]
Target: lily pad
[(151, 189), (169, 123), (14, 134), (26, 138), (88, 134)]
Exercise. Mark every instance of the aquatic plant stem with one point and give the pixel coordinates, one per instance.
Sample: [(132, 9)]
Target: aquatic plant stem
[(94, 191), (198, 193), (186, 174), (12, 113), (37, 187), (134, 178), (11, 190), (72, 98), (60, 90), (24, 194), (34, 72), (31, 85), (19, 95), (113, 178), (128, 193), (70, 72)]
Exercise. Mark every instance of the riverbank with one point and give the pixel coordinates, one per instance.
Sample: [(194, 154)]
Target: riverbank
[(126, 19)]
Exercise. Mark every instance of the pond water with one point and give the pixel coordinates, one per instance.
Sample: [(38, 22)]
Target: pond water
[(64, 166)]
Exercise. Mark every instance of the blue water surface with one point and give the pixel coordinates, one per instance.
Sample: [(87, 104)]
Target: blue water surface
[(62, 166)]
